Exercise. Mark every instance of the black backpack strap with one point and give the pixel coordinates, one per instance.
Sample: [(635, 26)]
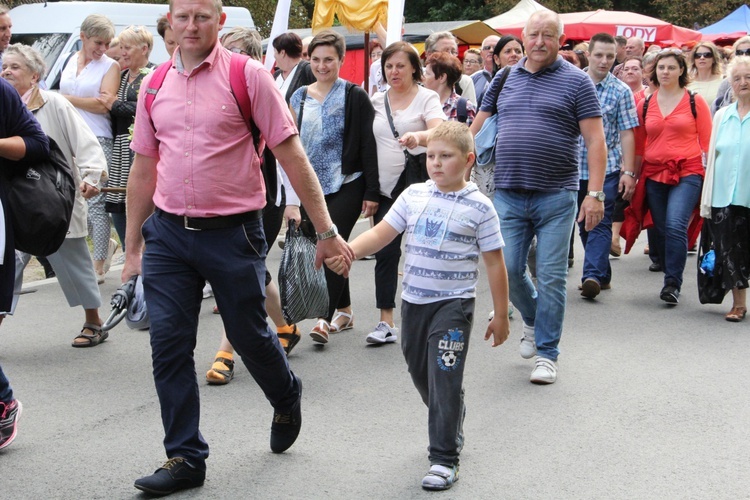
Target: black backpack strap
[(461, 114), (645, 108), (692, 104)]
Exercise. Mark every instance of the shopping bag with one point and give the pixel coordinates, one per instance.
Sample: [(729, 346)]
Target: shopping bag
[(710, 288), (304, 294)]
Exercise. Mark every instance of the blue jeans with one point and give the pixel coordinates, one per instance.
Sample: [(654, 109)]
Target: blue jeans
[(598, 241), (671, 207), (120, 221), (549, 217), (6, 393), (176, 264)]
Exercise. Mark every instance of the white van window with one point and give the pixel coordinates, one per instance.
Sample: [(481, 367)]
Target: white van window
[(50, 45)]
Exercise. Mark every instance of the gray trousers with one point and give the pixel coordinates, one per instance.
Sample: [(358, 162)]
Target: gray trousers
[(435, 342), (75, 273)]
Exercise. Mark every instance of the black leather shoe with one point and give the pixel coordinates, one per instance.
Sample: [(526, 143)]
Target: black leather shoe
[(655, 267), (176, 474), (286, 426), (670, 294)]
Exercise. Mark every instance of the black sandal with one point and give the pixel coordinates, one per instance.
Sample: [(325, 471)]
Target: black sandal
[(96, 337), (291, 339)]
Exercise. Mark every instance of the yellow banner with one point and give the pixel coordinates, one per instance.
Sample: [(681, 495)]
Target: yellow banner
[(358, 15)]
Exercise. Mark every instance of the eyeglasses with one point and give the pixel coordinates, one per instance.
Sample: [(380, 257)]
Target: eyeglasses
[(238, 50), (742, 52), (488, 47), (471, 61), (704, 55)]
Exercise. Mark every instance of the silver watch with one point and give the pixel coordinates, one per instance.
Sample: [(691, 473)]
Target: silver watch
[(599, 195), (334, 231), (628, 172)]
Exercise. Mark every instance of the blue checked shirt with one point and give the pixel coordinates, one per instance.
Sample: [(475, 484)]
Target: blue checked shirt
[(618, 113)]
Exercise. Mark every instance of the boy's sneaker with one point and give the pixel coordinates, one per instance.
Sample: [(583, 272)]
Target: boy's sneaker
[(440, 477), (9, 414), (545, 371), (528, 342), (382, 334), (176, 474)]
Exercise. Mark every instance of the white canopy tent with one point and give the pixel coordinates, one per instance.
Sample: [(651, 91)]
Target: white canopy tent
[(518, 14)]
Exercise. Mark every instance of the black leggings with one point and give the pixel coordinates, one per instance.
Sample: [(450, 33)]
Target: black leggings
[(386, 263)]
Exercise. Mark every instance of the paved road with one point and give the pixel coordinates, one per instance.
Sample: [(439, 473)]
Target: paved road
[(651, 402)]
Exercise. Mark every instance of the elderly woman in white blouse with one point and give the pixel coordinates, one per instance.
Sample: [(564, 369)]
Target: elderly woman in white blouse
[(22, 68)]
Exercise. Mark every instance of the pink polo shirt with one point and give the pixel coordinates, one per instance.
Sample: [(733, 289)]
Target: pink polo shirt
[(208, 165)]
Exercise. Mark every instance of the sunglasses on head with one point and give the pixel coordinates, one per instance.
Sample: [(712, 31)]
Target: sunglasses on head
[(742, 52), (704, 55)]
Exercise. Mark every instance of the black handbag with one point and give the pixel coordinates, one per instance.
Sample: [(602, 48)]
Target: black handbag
[(710, 287), (415, 166), (40, 197)]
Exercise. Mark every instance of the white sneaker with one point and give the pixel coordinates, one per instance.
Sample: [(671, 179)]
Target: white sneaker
[(382, 334), (111, 249), (208, 291), (545, 371), (528, 343)]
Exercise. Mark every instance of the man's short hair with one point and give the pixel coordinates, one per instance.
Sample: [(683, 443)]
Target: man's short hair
[(601, 38), (434, 38), (455, 133), (329, 38), (161, 25), (554, 16), (634, 58), (443, 63), (621, 40), (98, 25), (290, 43), (217, 4)]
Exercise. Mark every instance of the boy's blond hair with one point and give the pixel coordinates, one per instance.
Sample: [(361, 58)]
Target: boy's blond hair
[(455, 133)]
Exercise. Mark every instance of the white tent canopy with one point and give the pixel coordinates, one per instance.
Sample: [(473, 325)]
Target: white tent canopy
[(518, 14)]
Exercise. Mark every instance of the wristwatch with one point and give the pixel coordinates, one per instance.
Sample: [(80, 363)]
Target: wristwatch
[(599, 195), (628, 172), (334, 231)]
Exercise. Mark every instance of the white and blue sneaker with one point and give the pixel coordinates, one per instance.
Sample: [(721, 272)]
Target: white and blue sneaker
[(440, 477), (528, 342), (383, 334)]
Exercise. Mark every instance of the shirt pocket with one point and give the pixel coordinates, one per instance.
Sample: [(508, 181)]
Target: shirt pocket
[(224, 120)]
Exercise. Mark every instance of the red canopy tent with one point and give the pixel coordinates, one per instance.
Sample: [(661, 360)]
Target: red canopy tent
[(583, 25)]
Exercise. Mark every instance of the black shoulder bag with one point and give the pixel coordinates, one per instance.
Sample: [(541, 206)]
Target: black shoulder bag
[(415, 166)]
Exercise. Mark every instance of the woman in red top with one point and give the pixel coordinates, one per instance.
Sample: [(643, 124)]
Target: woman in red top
[(671, 143)]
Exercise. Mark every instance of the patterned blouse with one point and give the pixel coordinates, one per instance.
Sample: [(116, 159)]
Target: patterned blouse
[(450, 108), (322, 135)]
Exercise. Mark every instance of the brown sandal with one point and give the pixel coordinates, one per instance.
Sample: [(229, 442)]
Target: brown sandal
[(96, 337), (736, 315)]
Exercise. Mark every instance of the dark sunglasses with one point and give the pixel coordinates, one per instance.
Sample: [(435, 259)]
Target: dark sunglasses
[(704, 55), (742, 52)]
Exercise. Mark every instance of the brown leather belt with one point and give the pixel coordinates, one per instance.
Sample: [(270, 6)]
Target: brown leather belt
[(209, 223)]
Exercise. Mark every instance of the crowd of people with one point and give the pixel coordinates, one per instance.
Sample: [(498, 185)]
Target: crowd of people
[(617, 137)]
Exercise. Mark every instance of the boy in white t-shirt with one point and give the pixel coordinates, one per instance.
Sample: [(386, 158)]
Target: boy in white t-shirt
[(448, 224)]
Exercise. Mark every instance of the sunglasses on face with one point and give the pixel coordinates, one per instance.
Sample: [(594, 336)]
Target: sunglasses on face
[(238, 50), (704, 55), (488, 48), (742, 52)]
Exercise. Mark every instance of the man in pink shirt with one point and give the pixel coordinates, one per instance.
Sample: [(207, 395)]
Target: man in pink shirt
[(197, 171)]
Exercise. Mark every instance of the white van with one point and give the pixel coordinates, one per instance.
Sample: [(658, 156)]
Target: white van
[(54, 28)]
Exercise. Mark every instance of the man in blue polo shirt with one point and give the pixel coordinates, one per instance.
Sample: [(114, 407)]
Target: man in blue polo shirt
[(620, 118), (544, 106)]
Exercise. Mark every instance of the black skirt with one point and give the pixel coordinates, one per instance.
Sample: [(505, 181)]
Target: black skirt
[(731, 231)]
